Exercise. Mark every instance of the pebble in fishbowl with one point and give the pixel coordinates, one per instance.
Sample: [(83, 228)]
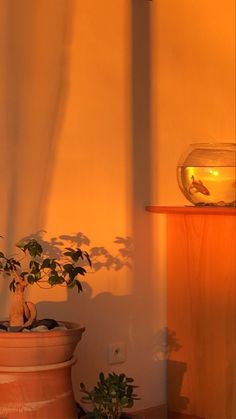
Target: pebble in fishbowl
[(206, 174)]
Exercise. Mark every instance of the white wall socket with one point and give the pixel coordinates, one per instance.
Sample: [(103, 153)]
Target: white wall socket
[(116, 353)]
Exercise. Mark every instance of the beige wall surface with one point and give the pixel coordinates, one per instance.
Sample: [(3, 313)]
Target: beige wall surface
[(141, 80)]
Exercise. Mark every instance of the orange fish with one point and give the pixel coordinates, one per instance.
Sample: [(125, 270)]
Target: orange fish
[(197, 186)]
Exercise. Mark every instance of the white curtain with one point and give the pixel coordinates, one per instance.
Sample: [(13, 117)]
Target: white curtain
[(34, 42)]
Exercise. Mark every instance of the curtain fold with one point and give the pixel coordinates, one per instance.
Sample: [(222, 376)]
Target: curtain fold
[(34, 53)]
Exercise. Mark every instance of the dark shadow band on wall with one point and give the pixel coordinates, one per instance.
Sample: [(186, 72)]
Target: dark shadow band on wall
[(144, 305), (141, 100), (141, 144)]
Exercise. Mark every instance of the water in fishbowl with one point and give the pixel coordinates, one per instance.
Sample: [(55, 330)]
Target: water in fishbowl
[(204, 186)]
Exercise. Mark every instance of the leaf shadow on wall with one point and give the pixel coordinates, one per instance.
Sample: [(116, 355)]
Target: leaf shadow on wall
[(105, 316), (99, 255), (101, 258)]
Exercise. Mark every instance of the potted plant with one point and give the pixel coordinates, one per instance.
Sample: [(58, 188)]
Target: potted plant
[(36, 356), (110, 396)]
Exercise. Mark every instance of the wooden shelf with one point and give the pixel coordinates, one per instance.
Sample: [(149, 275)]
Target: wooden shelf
[(200, 249), (191, 210)]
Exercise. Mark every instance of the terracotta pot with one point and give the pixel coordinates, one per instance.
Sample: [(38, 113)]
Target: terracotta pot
[(35, 374), (39, 348)]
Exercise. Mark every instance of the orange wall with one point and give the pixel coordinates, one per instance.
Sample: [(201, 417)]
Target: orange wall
[(193, 83), (93, 192), (193, 75), (101, 167)]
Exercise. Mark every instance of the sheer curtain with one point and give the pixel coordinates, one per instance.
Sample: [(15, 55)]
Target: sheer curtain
[(34, 41)]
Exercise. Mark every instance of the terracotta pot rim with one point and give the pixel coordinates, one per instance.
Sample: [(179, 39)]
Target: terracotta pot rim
[(33, 368), (73, 328)]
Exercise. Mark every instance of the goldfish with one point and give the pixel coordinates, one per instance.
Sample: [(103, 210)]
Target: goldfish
[(197, 186)]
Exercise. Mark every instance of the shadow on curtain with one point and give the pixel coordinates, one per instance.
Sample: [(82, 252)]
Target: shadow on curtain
[(33, 83)]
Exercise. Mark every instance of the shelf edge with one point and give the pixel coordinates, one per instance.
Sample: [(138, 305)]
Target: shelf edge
[(191, 210)]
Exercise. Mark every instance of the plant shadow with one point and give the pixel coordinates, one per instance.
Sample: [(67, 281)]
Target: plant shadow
[(165, 343), (99, 255)]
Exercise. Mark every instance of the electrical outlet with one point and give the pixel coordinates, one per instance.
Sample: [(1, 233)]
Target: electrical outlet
[(116, 353)]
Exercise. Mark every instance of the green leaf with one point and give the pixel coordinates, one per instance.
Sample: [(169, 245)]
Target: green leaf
[(75, 271), (2, 255), (78, 254), (46, 263), (49, 264), (31, 279), (129, 380), (21, 246), (34, 266), (74, 254), (130, 403), (70, 284), (54, 278), (37, 275), (88, 259), (12, 285), (53, 264), (33, 247), (14, 262), (124, 400), (79, 286), (129, 391), (68, 267), (79, 270), (101, 377), (61, 279)]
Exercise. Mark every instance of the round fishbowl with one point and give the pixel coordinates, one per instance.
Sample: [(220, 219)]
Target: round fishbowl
[(206, 174)]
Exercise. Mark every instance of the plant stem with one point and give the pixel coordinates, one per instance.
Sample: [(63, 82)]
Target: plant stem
[(17, 309)]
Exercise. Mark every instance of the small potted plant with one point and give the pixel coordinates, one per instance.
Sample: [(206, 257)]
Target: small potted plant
[(35, 353), (39, 269), (110, 396)]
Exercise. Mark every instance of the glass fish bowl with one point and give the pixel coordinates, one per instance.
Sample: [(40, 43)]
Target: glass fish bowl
[(206, 174)]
